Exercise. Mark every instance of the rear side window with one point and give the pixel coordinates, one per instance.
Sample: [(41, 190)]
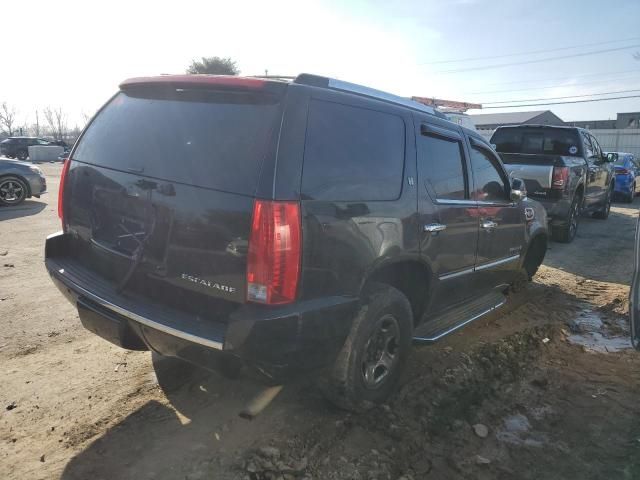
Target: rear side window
[(440, 165), (199, 137), (537, 141), (352, 154)]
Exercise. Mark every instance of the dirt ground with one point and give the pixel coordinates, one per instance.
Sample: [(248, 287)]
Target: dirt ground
[(546, 388)]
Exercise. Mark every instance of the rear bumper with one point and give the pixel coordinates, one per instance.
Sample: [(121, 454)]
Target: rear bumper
[(278, 343), (557, 210), (623, 183)]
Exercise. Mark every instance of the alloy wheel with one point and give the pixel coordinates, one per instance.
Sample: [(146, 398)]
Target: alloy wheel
[(11, 191), (381, 352)]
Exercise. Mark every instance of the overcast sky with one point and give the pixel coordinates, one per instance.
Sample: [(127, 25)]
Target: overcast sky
[(74, 54)]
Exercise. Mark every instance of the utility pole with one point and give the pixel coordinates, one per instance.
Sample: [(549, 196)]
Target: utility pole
[(37, 124), (266, 72)]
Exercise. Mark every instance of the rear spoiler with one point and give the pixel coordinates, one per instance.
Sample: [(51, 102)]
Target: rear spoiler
[(229, 82)]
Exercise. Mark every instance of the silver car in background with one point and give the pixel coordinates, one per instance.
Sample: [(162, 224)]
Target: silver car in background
[(18, 181)]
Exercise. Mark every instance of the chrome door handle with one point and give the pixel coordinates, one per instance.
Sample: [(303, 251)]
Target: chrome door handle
[(434, 227), (488, 224)]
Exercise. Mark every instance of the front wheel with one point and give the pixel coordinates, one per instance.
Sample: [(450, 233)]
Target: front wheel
[(12, 191), (373, 357), (22, 155)]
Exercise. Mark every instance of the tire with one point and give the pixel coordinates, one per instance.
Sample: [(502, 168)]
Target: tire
[(375, 353), (603, 212), (632, 193), (534, 257), (566, 233), (13, 191), (22, 155)]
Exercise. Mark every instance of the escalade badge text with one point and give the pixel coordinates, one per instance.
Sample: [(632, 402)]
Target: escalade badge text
[(208, 283)]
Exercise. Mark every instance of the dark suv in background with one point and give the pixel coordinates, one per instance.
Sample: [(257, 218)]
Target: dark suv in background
[(286, 227), (18, 147)]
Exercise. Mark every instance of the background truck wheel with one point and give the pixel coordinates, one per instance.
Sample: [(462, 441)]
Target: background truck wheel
[(373, 357), (566, 233), (12, 191), (603, 213), (22, 155), (632, 193)]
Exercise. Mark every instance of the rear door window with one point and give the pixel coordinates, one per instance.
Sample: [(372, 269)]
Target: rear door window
[(199, 137), (352, 153)]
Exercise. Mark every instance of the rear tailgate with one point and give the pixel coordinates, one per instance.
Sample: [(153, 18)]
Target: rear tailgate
[(160, 190), (535, 170)]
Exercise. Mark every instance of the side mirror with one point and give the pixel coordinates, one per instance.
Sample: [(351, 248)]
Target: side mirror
[(611, 157), (518, 190)]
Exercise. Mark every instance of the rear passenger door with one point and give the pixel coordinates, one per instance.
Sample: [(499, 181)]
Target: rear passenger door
[(502, 231), (449, 218)]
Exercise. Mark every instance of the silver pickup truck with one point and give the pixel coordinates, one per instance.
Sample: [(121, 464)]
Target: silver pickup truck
[(563, 168)]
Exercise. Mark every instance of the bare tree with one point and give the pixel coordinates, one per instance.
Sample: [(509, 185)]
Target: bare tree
[(7, 118), (57, 121)]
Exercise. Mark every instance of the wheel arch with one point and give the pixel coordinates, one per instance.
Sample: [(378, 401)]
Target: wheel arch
[(21, 178), (411, 276)]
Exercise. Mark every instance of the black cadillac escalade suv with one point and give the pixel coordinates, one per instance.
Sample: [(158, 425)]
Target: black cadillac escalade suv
[(286, 227)]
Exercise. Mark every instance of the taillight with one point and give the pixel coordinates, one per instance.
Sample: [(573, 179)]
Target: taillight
[(622, 171), (560, 177), (273, 266), (63, 178)]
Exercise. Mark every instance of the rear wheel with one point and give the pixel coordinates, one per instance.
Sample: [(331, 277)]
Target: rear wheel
[(603, 212), (22, 154), (373, 357), (566, 233), (629, 197), (12, 191)]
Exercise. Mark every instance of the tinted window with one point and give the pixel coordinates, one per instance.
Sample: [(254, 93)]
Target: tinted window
[(587, 144), (538, 141), (210, 139), (596, 147), (352, 154), (489, 184), (440, 166)]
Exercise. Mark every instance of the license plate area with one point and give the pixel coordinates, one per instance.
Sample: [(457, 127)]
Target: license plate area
[(108, 325)]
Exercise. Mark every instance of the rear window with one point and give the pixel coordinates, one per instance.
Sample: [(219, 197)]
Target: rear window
[(537, 141), (352, 154), (205, 138)]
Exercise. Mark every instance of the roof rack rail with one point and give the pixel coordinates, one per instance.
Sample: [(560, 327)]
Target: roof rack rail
[(334, 84)]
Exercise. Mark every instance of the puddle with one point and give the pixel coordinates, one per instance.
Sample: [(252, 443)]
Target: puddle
[(589, 330), (517, 431)]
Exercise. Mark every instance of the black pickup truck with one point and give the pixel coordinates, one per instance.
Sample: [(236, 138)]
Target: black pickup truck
[(564, 168)]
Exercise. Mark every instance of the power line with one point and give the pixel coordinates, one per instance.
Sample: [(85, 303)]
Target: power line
[(599, 74), (540, 60), (566, 85), (530, 52), (561, 98), (564, 103)]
